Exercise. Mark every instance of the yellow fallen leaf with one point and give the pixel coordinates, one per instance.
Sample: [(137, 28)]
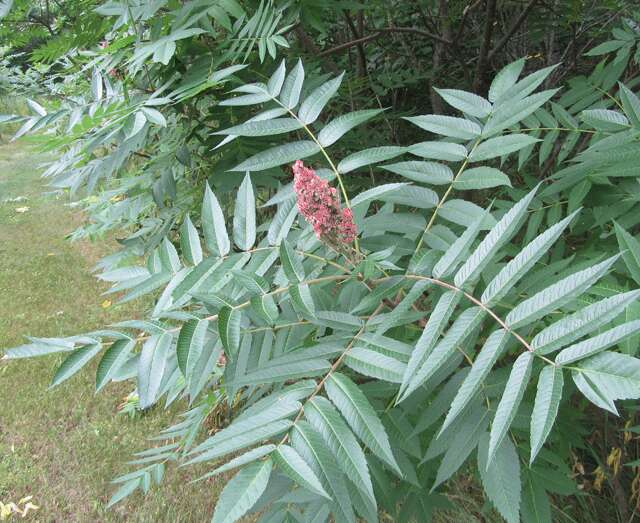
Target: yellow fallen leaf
[(29, 506), (22, 209), (106, 304)]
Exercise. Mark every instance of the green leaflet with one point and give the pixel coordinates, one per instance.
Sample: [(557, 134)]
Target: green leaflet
[(38, 347), (339, 126), (367, 157), (631, 104), (523, 262), (190, 242), (375, 365), (604, 119), (292, 87), (535, 507), (213, 224), (501, 478), (152, 367), (229, 329), (360, 416), (481, 178), (284, 372), (190, 343), (113, 358), (607, 377), (278, 155), (313, 104), (376, 193), (510, 401), (630, 248), (501, 146), (308, 443), (323, 416), (241, 493), (243, 459), (402, 194), (447, 126), (526, 85), (545, 408), (461, 328), (486, 359), (582, 322), (602, 341), (458, 249), (423, 172), (291, 464), (462, 445), (275, 83), (243, 440), (291, 263), (302, 299), (282, 221), (505, 79), (557, 294), (463, 212), (437, 320), (263, 127), (244, 217), (500, 234), (466, 102), (74, 362), (513, 111), (447, 151), (398, 314)]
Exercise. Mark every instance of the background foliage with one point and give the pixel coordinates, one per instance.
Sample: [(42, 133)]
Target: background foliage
[(480, 327)]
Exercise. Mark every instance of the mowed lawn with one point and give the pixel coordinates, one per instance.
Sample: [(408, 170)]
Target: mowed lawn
[(63, 446)]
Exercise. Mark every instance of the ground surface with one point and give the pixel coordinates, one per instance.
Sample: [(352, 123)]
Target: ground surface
[(64, 446)]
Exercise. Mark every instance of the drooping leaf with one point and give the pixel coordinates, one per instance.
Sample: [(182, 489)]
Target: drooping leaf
[(190, 343), (510, 401), (241, 493), (244, 217), (190, 242), (323, 416), (229, 328), (152, 366), (309, 444), (289, 461), (74, 362), (486, 359), (360, 416), (213, 224), (501, 478), (545, 408), (608, 377), (112, 360)]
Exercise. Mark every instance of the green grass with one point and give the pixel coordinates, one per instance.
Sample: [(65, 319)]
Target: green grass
[(65, 445)]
